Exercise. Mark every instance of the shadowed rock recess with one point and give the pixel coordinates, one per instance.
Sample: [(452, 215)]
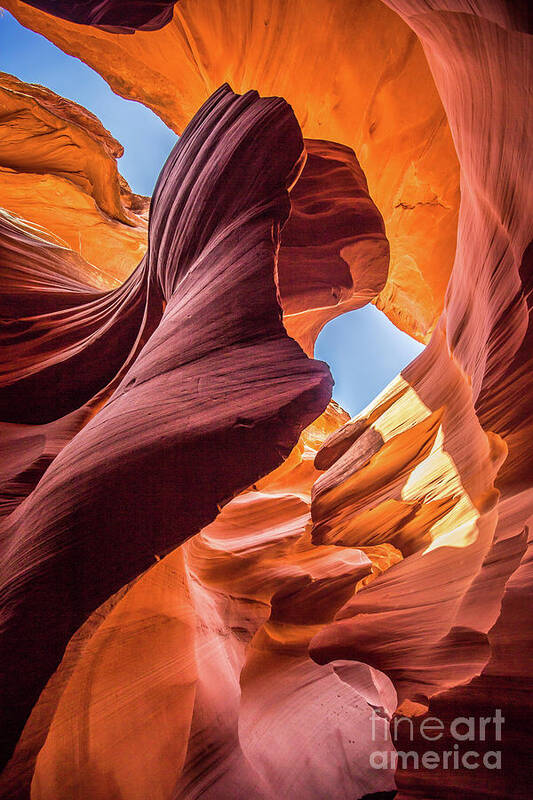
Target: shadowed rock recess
[(212, 581)]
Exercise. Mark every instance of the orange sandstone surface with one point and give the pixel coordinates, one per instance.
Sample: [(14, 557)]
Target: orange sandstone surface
[(354, 73), (58, 170), (385, 563)]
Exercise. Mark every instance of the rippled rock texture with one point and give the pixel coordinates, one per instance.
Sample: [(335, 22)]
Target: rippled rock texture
[(213, 581), (354, 73), (58, 169)]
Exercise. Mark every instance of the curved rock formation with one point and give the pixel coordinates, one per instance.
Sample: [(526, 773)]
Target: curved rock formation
[(112, 15), (335, 255), (385, 564), (214, 222), (58, 170), (353, 72), (61, 174), (61, 328), (214, 625), (471, 553)]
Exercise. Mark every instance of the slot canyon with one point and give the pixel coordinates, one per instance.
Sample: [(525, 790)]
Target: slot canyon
[(214, 582)]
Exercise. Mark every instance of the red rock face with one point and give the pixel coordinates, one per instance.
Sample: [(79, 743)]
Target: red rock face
[(63, 553), (334, 255), (437, 619), (209, 591)]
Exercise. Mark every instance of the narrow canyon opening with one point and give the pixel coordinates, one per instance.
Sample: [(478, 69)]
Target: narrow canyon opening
[(215, 575), (363, 348)]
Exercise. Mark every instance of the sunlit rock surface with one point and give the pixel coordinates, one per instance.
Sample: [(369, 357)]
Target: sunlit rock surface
[(225, 399), (459, 497), (385, 564), (58, 170), (353, 72)]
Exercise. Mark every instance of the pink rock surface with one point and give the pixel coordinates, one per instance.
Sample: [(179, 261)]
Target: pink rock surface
[(248, 662), (122, 338), (450, 612), (204, 409)]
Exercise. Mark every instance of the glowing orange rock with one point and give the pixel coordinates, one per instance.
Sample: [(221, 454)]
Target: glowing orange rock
[(472, 559), (214, 224), (411, 563), (58, 170), (354, 73)]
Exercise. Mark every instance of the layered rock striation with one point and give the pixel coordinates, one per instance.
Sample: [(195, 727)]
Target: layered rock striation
[(252, 580), (354, 73), (194, 368)]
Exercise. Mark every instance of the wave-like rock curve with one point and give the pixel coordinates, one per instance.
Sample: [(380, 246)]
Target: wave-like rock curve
[(216, 396)]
